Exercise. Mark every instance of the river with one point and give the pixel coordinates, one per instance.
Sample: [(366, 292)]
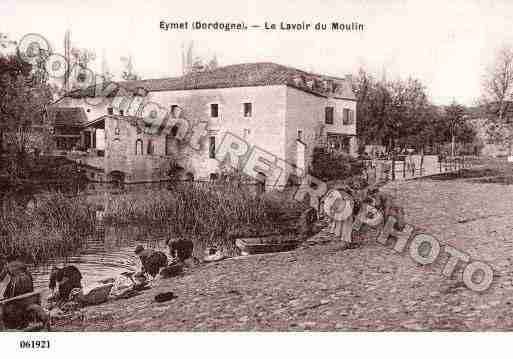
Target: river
[(105, 254)]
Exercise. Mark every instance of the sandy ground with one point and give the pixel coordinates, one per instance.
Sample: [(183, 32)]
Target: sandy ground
[(320, 287)]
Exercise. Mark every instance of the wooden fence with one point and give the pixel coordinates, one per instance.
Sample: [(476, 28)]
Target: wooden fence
[(386, 170)]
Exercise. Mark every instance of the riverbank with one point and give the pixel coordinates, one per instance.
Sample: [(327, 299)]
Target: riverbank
[(57, 226), (321, 287)]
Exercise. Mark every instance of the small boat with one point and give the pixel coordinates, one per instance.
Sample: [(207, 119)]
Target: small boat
[(259, 245)]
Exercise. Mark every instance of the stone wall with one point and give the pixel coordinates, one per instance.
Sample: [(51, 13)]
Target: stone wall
[(306, 112), (264, 128), (126, 151), (277, 112)]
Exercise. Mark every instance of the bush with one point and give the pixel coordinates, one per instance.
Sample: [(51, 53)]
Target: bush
[(330, 166), (54, 228), (58, 226), (216, 210)]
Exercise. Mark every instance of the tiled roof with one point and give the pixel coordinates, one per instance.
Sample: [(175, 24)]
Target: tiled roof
[(132, 120), (67, 116), (242, 75)]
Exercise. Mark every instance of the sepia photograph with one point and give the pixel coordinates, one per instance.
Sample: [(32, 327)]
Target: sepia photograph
[(255, 167)]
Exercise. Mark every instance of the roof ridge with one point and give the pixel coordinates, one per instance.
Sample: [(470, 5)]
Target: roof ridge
[(234, 75)]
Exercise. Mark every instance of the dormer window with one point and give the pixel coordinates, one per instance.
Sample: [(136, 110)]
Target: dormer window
[(298, 80)]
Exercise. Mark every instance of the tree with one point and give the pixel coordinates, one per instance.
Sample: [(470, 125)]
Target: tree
[(79, 72), (399, 114), (128, 73), (497, 95), (455, 115), (373, 99), (391, 112), (82, 57), (22, 110)]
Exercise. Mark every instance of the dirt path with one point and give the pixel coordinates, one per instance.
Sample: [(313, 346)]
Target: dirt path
[(322, 288)]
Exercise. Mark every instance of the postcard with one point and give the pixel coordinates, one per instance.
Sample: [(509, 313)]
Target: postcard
[(267, 166)]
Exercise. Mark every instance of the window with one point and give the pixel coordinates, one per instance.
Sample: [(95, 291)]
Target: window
[(300, 135), (138, 147), (121, 112), (214, 110), (110, 111), (348, 117), (169, 141), (174, 130), (246, 133), (214, 177), (248, 109), (149, 149), (328, 115), (212, 147), (176, 111)]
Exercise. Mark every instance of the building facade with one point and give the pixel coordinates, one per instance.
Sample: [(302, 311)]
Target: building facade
[(281, 110)]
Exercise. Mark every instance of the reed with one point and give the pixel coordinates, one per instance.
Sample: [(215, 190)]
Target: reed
[(59, 225), (219, 211), (54, 228)]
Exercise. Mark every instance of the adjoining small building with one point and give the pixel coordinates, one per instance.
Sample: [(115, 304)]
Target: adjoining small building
[(282, 110), (67, 124)]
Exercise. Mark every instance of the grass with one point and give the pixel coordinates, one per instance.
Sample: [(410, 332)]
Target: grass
[(219, 211), (54, 228), (58, 225), (490, 170)]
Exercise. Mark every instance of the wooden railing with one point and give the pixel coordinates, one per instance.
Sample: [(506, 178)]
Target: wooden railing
[(401, 169)]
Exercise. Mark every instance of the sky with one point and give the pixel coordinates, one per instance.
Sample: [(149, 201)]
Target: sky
[(446, 45)]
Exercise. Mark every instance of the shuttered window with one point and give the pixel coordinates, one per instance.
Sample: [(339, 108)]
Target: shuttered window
[(328, 115)]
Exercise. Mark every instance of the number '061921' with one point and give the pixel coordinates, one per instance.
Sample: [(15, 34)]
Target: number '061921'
[(34, 344)]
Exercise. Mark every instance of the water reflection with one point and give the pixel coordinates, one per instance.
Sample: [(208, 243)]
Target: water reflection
[(105, 254)]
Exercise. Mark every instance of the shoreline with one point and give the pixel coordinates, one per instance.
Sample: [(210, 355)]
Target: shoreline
[(321, 287)]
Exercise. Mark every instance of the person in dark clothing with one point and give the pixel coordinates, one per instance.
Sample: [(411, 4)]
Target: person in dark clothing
[(20, 282), (151, 261), (181, 249), (18, 314), (66, 278)]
